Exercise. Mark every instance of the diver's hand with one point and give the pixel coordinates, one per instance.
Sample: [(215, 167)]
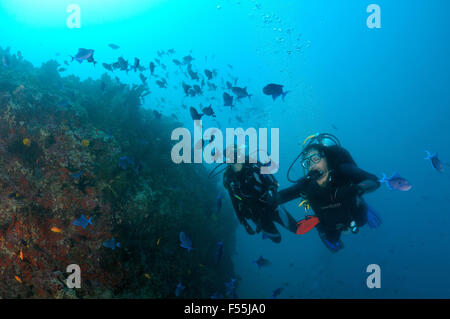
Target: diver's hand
[(249, 229), (346, 192), (314, 175)]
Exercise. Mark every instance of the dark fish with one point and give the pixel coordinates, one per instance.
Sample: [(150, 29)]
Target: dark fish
[(177, 62), (208, 74), (197, 89), (194, 114), (157, 114), (107, 66), (143, 77), (171, 51), (227, 99), (277, 292), (211, 86), (187, 59), (152, 68), (192, 74), (162, 83), (262, 262), (122, 64), (186, 88), (158, 61), (219, 252), (136, 64), (163, 66), (66, 62), (229, 85), (113, 46), (62, 69), (396, 182), (83, 54), (191, 92), (275, 90), (240, 92), (239, 119), (209, 111), (91, 60), (435, 162)]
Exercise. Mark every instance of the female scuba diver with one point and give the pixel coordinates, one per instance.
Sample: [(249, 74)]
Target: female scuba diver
[(253, 196), (333, 188)]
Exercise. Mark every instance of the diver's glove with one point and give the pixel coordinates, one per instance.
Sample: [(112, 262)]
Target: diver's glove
[(346, 192), (248, 228), (314, 175), (311, 176)]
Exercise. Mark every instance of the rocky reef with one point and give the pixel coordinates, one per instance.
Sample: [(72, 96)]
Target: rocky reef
[(70, 148)]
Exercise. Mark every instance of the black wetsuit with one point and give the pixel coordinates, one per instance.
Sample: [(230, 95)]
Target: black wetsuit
[(334, 205), (254, 197)]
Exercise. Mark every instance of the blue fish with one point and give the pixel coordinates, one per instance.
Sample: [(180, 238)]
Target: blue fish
[(126, 161), (185, 241), (277, 292), (435, 162), (219, 251), (83, 54), (111, 244), (217, 295), (82, 221), (113, 46), (179, 289), (77, 175), (396, 182), (262, 262), (230, 288)]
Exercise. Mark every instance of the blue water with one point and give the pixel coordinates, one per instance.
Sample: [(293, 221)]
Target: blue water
[(383, 92)]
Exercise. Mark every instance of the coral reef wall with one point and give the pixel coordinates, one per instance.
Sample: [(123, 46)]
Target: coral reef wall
[(71, 149)]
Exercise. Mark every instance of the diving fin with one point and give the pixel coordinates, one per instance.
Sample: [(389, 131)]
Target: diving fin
[(373, 219)]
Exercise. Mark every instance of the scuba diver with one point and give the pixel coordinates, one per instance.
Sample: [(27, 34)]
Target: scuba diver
[(333, 188), (253, 196)]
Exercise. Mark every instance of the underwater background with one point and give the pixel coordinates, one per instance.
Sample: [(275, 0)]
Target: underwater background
[(79, 140)]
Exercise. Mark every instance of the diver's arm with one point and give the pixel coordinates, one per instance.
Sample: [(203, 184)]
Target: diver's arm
[(294, 191), (364, 181)]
